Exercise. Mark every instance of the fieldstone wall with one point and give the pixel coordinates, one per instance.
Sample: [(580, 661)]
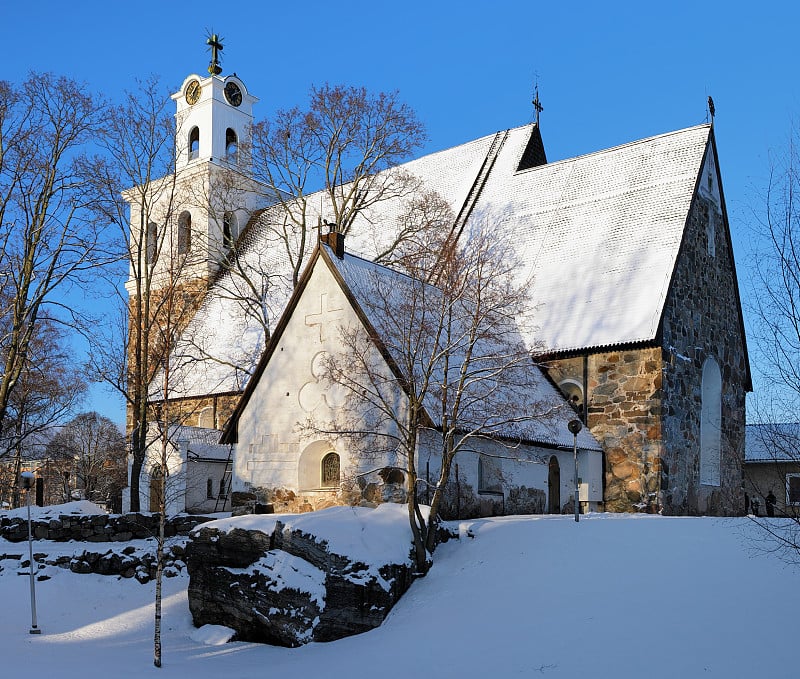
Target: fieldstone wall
[(98, 527), (644, 404), (129, 562), (624, 414), (702, 320), (460, 500)]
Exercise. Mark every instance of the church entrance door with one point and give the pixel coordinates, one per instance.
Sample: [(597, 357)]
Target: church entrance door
[(156, 489), (554, 486)]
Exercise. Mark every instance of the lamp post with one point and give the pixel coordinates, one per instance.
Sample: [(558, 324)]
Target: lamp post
[(575, 426), (28, 480)]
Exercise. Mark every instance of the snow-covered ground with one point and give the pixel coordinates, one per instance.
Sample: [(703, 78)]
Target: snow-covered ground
[(612, 596)]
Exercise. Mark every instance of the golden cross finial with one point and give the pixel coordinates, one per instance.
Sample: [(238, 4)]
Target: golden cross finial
[(214, 43)]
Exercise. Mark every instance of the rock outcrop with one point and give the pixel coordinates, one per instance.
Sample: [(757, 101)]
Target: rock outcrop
[(287, 587)]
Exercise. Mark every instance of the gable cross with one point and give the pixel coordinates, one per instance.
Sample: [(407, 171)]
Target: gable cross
[(324, 317)]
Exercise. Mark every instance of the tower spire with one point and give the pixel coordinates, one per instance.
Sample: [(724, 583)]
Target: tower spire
[(214, 43)]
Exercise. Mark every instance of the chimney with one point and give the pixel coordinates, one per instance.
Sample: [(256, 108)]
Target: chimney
[(333, 239)]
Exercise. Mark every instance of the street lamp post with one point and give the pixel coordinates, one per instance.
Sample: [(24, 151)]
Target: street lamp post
[(28, 480), (575, 426)]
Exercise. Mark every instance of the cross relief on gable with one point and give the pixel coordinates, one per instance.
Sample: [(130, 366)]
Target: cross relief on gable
[(326, 315), (314, 390)]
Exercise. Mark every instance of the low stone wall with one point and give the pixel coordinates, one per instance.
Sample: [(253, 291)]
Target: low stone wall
[(130, 562), (98, 527)]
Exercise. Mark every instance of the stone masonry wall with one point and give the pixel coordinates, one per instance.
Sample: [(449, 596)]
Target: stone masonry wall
[(97, 528), (701, 320), (624, 392)]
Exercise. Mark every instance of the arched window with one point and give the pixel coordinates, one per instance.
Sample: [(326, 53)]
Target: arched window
[(151, 241), (229, 228), (318, 467), (573, 390), (205, 418), (710, 423), (231, 146), (553, 486), (184, 233), (329, 470), (194, 143)]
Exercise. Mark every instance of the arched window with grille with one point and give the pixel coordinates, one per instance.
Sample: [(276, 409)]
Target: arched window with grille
[(330, 470)]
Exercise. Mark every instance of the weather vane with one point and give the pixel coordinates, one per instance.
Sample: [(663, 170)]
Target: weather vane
[(214, 43), (711, 109), (537, 105)]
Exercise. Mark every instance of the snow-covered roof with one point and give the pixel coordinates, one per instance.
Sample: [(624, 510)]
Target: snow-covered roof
[(601, 234), (522, 404), (201, 442), (223, 342), (773, 442)]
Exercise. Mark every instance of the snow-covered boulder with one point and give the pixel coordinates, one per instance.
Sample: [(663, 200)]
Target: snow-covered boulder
[(292, 579)]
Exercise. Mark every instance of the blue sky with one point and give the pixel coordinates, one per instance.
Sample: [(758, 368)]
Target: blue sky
[(608, 73)]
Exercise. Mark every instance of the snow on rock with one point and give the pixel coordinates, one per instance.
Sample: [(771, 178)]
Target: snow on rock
[(291, 579), (212, 635)]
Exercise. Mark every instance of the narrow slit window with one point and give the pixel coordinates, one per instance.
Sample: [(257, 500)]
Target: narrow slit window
[(184, 233), (194, 143), (231, 146)]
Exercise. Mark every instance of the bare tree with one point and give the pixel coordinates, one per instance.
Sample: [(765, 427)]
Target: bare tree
[(458, 369), (776, 310), (137, 192), (49, 388), (331, 161), (47, 241), (98, 454), (347, 143)]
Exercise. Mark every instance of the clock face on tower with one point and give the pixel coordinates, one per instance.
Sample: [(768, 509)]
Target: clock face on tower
[(233, 94), (193, 92)]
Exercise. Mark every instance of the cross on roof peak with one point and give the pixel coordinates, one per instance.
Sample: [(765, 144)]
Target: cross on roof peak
[(214, 43), (537, 104)]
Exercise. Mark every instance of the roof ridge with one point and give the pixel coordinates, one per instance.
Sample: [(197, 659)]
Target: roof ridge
[(611, 149)]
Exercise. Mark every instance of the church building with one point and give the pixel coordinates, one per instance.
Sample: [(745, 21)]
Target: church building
[(638, 317)]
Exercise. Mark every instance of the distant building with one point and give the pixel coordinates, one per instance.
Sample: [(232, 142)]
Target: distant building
[(772, 466)]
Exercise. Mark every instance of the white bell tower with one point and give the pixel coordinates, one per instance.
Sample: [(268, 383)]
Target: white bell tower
[(196, 215), (214, 117)]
